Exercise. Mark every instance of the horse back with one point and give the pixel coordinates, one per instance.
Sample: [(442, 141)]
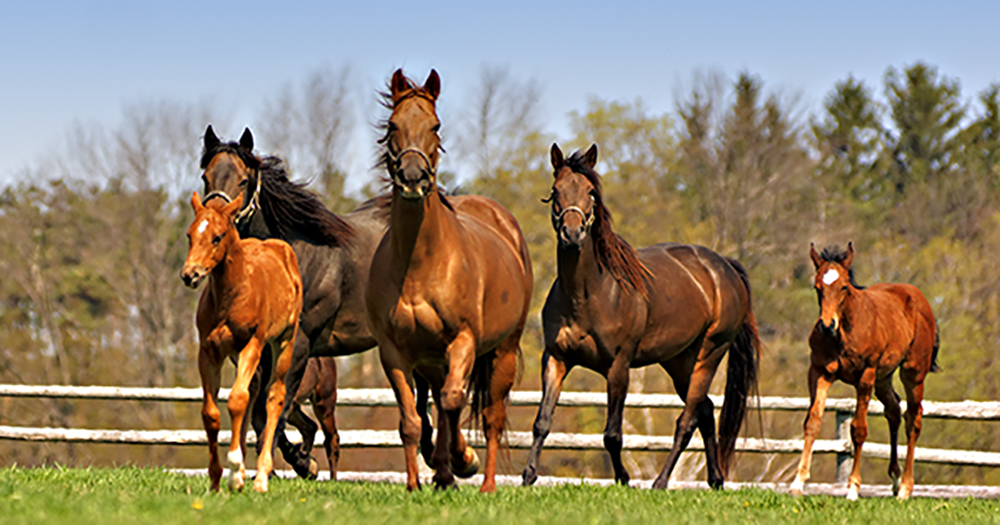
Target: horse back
[(493, 216), (693, 293), (911, 305), (275, 281)]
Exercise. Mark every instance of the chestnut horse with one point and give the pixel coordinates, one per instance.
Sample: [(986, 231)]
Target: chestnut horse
[(251, 303), (612, 309), (861, 337), (334, 254), (449, 291)]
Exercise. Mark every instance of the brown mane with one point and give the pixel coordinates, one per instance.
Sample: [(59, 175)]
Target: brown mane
[(613, 253)]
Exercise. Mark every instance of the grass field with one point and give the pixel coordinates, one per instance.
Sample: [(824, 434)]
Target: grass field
[(137, 495)]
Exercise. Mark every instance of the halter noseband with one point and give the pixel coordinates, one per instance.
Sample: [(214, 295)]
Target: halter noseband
[(396, 159), (587, 221)]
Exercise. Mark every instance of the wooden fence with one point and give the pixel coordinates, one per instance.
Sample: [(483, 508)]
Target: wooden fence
[(841, 446)]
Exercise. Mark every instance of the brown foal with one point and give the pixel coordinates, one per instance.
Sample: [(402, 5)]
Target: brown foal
[(252, 300), (862, 336)]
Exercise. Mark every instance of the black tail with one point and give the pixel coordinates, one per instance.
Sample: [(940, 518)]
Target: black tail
[(741, 380), (937, 346)]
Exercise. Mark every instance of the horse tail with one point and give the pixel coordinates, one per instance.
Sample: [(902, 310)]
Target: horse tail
[(741, 377), (937, 346)]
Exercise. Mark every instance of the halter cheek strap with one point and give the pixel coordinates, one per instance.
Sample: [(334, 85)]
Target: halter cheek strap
[(248, 210)]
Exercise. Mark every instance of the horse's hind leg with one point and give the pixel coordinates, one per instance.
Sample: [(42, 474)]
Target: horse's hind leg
[(697, 393), (426, 429), (324, 406), (618, 377), (495, 411), (913, 383), (304, 465), (887, 395), (553, 373), (210, 369)]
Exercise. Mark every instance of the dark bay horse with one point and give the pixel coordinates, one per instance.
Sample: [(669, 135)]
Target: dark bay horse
[(251, 303), (612, 308), (334, 256), (861, 337), (449, 292)]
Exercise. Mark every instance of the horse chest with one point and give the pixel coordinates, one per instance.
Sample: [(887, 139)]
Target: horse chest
[(413, 321)]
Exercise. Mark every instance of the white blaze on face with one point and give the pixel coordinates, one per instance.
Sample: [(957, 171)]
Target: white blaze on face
[(202, 226), (830, 277)]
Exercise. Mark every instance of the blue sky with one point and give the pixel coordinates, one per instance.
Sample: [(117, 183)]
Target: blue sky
[(81, 62)]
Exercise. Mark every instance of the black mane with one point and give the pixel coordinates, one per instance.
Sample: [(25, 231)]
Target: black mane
[(835, 254), (289, 209)]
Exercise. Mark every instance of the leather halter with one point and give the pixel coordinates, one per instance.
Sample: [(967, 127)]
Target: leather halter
[(587, 221)]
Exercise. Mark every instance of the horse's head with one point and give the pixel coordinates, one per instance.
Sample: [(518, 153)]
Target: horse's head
[(833, 284), (412, 143), (209, 237), (575, 196), (231, 169)]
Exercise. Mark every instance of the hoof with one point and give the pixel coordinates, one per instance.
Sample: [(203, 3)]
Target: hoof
[(528, 477), (895, 485), (904, 493), (445, 480), (660, 483), (852, 493), (471, 464), (306, 468), (796, 488), (260, 483)]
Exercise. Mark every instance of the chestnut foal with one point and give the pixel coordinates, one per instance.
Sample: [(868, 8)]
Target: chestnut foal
[(252, 301)]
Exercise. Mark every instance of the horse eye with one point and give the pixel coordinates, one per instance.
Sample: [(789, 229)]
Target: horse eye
[(391, 126), (217, 239), (436, 127), (243, 183)]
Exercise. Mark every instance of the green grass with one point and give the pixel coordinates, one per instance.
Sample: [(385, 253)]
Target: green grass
[(137, 495)]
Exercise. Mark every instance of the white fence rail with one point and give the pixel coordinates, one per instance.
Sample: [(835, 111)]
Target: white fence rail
[(844, 408)]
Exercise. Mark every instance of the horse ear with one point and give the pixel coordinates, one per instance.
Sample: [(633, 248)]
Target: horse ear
[(591, 156), (246, 140), (211, 141), (433, 84), (233, 207), (849, 257), (398, 85), (196, 203), (817, 260), (557, 158)]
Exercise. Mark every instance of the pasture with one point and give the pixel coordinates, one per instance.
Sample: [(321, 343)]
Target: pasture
[(138, 495)]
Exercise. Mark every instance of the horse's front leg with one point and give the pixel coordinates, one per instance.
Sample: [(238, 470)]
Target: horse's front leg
[(553, 373), (210, 369), (239, 399), (859, 430), (618, 377), (400, 376), (275, 403), (461, 356), (819, 385)]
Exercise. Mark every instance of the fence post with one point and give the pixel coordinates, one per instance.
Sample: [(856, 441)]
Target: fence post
[(844, 466)]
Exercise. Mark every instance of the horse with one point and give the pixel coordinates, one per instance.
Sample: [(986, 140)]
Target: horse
[(251, 303), (612, 308), (449, 291), (861, 337), (334, 256)]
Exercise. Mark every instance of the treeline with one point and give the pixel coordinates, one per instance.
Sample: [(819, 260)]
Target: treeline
[(909, 170)]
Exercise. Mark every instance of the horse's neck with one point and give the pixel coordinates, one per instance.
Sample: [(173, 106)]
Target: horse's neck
[(418, 229), (855, 315), (580, 274), (256, 228), (230, 274)]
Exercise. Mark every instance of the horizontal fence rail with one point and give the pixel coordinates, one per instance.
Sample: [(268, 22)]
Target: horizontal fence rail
[(844, 408)]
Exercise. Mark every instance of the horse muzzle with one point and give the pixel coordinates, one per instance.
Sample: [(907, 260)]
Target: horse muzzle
[(829, 329), (413, 188), (572, 237), (193, 275)]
